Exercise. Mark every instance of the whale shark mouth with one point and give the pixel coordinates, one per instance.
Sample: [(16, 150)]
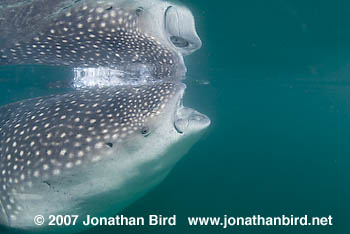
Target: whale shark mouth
[(178, 106), (186, 118), (180, 26)]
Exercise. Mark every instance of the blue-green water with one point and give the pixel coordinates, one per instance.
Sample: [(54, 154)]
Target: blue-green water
[(279, 100)]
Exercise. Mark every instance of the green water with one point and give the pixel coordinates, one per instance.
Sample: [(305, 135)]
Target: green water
[(279, 100)]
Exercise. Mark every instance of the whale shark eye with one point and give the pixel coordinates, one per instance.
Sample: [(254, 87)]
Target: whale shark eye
[(179, 41), (145, 131), (139, 11)]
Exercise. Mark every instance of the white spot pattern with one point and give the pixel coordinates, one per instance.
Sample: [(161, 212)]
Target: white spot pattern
[(98, 118), (95, 35)]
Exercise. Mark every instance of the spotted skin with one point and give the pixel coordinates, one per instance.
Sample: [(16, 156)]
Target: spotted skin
[(42, 138), (89, 34)]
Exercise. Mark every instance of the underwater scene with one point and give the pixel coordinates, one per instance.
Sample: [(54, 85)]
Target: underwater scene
[(188, 116)]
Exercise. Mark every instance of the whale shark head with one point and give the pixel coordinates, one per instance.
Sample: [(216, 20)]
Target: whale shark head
[(127, 35), (173, 22), (89, 151)]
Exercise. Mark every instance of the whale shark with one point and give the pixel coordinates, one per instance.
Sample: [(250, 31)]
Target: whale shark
[(127, 35), (91, 151)]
